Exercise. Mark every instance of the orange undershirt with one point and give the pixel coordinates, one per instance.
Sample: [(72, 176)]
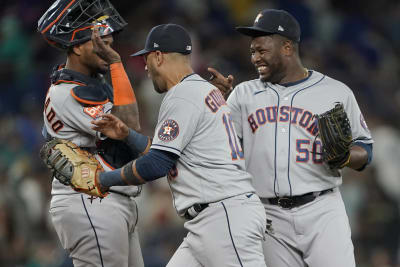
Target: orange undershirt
[(123, 92)]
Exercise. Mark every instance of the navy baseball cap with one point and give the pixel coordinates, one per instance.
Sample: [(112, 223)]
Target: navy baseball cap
[(167, 38), (273, 21)]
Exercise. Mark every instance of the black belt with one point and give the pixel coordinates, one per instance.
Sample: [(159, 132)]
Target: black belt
[(194, 210), (296, 201)]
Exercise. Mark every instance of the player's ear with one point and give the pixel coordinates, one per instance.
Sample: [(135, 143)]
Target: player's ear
[(287, 48), (77, 49), (159, 57)]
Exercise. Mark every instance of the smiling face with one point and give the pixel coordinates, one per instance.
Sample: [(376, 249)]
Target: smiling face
[(268, 58)]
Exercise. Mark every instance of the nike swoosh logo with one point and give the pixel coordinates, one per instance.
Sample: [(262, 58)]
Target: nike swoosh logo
[(249, 195), (259, 92)]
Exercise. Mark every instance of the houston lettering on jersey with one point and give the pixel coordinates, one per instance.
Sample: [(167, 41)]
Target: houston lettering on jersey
[(214, 100), (303, 118)]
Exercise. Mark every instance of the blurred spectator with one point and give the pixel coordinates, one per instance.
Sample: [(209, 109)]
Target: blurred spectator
[(357, 43)]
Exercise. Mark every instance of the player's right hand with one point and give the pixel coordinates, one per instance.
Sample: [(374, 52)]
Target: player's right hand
[(224, 84), (111, 126), (102, 50)]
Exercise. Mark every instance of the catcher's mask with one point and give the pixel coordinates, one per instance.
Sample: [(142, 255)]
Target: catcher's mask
[(70, 22)]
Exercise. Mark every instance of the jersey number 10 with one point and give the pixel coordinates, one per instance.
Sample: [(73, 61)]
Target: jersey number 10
[(236, 149)]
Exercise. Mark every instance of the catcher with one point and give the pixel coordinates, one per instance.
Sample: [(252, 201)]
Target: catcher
[(84, 30)]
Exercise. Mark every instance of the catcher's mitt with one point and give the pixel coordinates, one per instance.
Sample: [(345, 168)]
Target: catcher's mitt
[(335, 134), (73, 166)]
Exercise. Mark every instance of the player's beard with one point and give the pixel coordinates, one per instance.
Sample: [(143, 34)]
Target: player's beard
[(156, 87), (97, 66), (158, 82), (277, 71)]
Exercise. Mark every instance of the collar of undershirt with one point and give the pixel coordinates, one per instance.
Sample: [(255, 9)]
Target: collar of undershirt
[(187, 76), (77, 76), (297, 82)]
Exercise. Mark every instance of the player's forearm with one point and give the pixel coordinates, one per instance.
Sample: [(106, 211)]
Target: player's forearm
[(138, 142), (154, 165), (125, 106), (129, 114), (358, 157)]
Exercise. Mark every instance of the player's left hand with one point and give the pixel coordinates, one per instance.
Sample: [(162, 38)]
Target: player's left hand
[(111, 126), (336, 137), (224, 84), (102, 50), (73, 166)]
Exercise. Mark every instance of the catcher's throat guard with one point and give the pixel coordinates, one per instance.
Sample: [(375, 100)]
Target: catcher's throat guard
[(70, 22)]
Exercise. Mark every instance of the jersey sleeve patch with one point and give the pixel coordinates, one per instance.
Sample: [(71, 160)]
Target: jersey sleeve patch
[(169, 130), (94, 111)]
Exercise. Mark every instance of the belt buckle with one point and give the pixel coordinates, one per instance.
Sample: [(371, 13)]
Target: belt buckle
[(285, 202), (194, 210)]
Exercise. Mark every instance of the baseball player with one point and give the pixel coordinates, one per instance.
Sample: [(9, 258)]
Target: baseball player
[(195, 144), (274, 117), (94, 233)]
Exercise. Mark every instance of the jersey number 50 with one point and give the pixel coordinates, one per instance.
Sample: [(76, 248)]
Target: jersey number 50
[(236, 149), (305, 148)]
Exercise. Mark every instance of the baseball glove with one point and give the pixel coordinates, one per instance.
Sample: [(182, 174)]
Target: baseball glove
[(73, 166), (335, 134)]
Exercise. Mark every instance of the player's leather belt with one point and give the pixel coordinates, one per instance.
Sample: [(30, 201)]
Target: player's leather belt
[(297, 201), (194, 210)]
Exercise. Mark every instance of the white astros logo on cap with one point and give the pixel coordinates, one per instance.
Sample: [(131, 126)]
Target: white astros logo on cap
[(156, 45), (189, 47), (280, 28), (258, 17)]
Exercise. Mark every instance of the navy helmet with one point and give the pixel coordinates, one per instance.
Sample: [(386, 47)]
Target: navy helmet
[(70, 22)]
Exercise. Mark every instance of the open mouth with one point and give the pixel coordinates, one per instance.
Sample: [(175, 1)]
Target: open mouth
[(262, 69)]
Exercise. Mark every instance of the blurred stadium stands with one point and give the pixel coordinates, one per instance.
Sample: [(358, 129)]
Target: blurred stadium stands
[(356, 42)]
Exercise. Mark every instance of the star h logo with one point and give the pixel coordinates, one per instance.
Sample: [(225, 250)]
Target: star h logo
[(167, 130), (258, 17)]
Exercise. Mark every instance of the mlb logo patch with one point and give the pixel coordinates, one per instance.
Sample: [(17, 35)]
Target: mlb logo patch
[(169, 130), (363, 123)]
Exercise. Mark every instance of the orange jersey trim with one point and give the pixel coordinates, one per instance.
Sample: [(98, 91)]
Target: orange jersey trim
[(87, 101), (64, 81), (59, 16)]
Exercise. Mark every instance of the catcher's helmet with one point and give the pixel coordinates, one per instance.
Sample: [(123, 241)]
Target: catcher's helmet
[(70, 22)]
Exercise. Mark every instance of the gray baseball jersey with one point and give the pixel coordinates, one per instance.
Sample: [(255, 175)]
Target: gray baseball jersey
[(195, 123), (85, 228), (66, 118), (279, 132), (282, 150)]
